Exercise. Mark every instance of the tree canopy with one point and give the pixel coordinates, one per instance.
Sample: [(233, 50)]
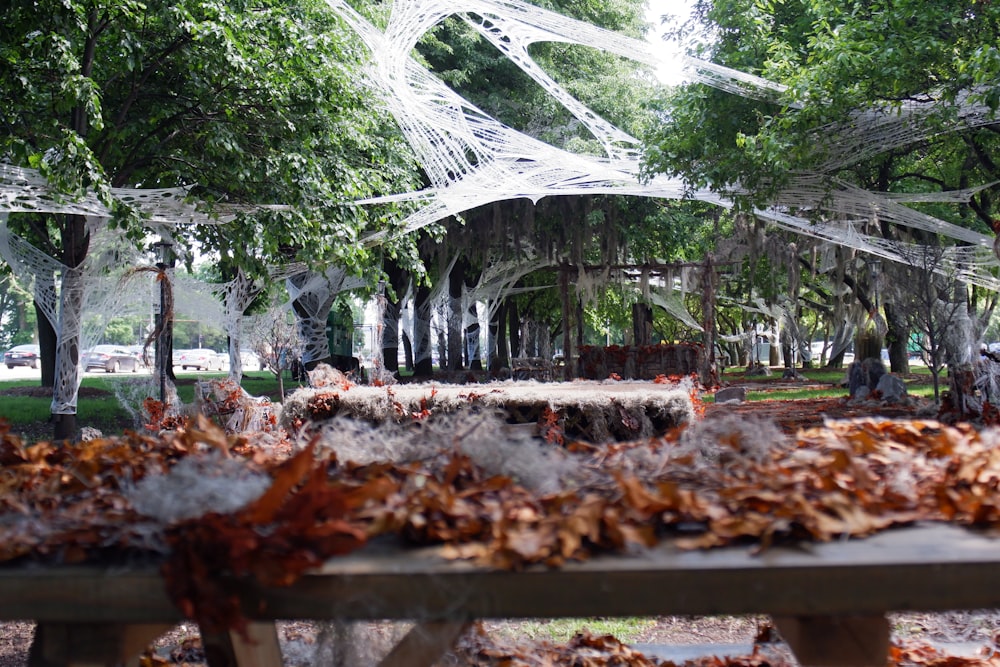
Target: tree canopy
[(255, 104), (838, 59)]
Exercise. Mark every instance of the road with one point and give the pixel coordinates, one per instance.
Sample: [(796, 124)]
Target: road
[(26, 373)]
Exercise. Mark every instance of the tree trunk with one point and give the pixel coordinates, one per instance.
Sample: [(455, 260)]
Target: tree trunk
[(578, 342), (456, 334), (566, 315), (408, 351), (473, 348), (959, 354), (514, 329), (841, 340), (168, 342), (423, 365), (473, 345), (897, 340), (311, 308), (710, 369), (390, 335), (642, 324), (774, 352), (47, 338), (75, 244), (498, 334), (398, 279)]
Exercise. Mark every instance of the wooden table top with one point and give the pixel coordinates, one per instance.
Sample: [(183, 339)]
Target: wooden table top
[(929, 567)]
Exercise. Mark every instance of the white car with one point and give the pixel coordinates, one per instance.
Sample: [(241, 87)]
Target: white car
[(201, 359)]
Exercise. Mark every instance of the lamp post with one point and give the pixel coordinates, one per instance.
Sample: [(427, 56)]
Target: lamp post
[(164, 259)]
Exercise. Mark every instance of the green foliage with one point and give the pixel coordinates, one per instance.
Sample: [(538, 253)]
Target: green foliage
[(191, 334), (609, 316), (124, 331), (17, 314), (167, 94), (836, 58)]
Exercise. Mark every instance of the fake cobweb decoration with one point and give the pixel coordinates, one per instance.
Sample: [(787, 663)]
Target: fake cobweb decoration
[(472, 159), (311, 295), (101, 285), (27, 191)]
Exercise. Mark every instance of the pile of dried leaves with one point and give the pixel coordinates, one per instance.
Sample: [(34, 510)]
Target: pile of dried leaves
[(714, 485)]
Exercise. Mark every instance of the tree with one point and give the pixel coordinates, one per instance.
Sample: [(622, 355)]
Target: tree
[(571, 228), (891, 97), (934, 303), (166, 94), (836, 59), (16, 317), (274, 340)]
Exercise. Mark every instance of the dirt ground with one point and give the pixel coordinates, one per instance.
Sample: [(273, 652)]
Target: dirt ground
[(960, 633)]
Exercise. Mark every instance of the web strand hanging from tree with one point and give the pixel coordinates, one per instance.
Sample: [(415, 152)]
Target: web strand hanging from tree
[(472, 159)]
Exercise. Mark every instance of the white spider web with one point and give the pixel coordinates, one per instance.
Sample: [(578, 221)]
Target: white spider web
[(472, 159)]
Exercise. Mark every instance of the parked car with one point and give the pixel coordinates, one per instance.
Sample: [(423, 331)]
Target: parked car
[(202, 359), (111, 358), (137, 352), (22, 355), (251, 361), (177, 354)]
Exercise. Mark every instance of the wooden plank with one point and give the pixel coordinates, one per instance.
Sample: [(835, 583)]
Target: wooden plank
[(925, 568), (259, 648), (424, 644), (86, 594), (836, 641), (928, 568)]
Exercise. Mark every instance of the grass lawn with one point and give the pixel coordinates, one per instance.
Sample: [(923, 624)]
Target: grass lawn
[(918, 383), (99, 405)]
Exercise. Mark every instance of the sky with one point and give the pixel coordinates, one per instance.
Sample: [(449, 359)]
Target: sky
[(654, 10)]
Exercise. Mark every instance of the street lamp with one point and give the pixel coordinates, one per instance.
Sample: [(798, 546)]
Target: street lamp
[(164, 259)]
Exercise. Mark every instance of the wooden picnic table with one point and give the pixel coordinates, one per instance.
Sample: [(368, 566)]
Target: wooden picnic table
[(828, 600)]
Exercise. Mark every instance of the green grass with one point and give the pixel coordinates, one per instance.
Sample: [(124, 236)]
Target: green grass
[(561, 630), (818, 375), (21, 410), (26, 413), (918, 383), (29, 414), (795, 394)]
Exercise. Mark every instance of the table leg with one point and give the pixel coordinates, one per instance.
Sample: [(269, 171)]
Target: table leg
[(260, 648), (85, 644), (836, 641), (424, 644)]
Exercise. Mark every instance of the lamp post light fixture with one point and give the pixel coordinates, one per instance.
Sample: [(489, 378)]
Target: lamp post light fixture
[(164, 251)]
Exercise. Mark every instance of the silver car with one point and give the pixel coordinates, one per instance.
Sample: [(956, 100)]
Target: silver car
[(110, 359), (201, 359)]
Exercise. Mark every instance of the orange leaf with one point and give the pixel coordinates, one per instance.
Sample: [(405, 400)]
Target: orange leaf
[(263, 510)]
